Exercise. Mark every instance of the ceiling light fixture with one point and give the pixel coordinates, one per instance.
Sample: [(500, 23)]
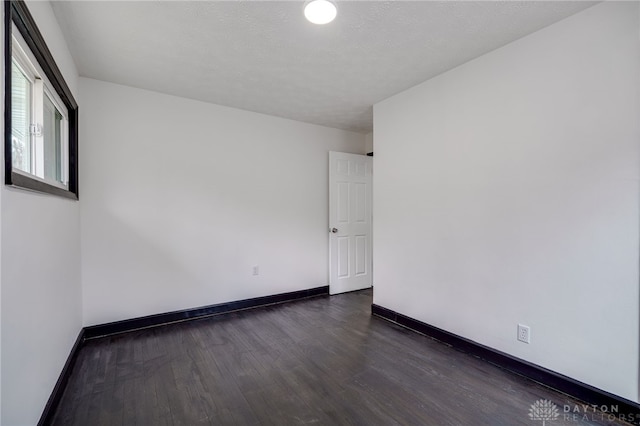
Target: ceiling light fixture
[(320, 11)]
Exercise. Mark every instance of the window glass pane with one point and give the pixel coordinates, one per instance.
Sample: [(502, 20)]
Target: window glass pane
[(20, 119), (52, 133)]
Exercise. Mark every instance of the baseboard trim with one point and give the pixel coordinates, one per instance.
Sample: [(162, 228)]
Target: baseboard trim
[(102, 330), (56, 395), (574, 388)]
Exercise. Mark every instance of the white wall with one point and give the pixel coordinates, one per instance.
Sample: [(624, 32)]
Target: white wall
[(506, 191), (181, 198), (40, 278)]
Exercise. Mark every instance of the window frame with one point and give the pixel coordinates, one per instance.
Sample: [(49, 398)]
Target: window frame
[(16, 13)]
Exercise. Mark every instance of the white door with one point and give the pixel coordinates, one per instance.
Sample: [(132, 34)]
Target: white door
[(349, 222)]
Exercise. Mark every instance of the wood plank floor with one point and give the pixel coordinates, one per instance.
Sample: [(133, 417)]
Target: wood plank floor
[(323, 361)]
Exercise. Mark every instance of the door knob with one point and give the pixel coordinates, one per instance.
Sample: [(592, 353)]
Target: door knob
[(334, 230)]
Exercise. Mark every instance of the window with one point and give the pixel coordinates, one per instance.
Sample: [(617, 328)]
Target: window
[(41, 116), (39, 123)]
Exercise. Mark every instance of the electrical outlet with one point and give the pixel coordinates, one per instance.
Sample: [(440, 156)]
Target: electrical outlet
[(256, 270), (524, 333)]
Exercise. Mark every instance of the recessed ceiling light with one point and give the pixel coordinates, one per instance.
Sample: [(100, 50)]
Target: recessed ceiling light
[(320, 11)]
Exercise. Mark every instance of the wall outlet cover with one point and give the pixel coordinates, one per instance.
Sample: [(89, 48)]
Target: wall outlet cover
[(524, 333)]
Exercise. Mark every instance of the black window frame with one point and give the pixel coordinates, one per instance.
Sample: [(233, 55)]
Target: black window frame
[(17, 13)]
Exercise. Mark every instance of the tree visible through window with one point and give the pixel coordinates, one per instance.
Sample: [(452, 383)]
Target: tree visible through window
[(20, 119)]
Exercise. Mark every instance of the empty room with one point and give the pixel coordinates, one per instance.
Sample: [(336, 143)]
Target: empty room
[(320, 212)]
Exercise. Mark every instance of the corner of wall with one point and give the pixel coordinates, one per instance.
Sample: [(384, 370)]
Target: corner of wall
[(368, 140)]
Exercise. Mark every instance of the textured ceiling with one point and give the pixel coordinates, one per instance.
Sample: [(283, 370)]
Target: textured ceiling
[(264, 56)]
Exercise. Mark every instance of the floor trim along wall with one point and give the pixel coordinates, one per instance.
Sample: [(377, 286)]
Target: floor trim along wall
[(102, 330), (63, 379), (559, 382)]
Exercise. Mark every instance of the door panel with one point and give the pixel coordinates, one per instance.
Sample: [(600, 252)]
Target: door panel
[(350, 219)]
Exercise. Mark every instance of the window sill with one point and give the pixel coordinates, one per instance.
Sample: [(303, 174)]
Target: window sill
[(19, 180)]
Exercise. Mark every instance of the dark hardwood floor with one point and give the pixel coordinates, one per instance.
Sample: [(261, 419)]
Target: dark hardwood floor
[(323, 361)]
